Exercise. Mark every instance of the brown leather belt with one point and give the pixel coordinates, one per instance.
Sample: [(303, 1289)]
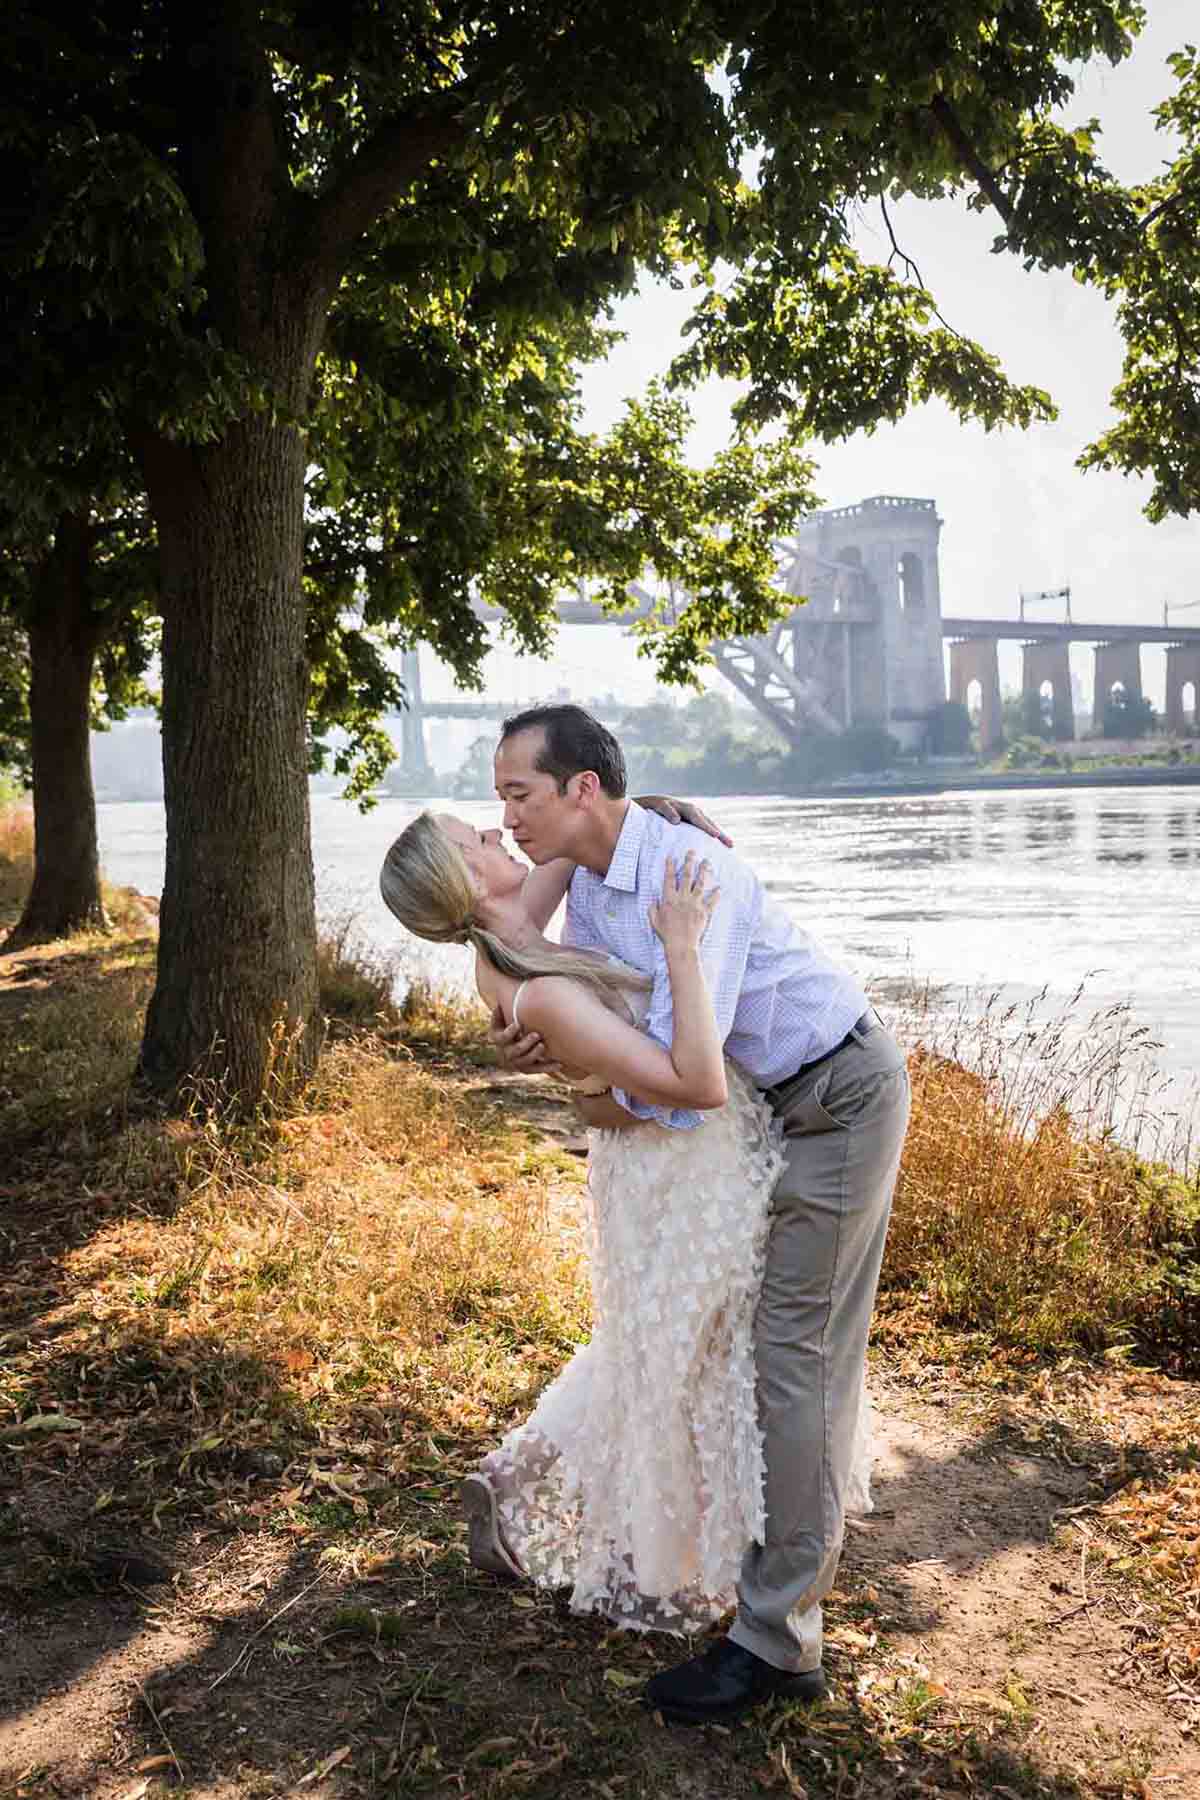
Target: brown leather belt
[(859, 1029)]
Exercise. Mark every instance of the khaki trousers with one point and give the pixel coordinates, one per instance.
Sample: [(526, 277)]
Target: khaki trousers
[(844, 1126)]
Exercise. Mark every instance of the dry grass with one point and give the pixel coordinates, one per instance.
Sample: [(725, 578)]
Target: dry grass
[(384, 1246), (387, 1243), (453, 1023), (357, 982), (68, 1058), (16, 858), (1020, 1211)]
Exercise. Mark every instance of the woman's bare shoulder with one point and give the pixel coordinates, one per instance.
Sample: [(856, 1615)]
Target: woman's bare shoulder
[(549, 997)]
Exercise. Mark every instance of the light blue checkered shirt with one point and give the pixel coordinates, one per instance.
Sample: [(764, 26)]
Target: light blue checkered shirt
[(779, 1000)]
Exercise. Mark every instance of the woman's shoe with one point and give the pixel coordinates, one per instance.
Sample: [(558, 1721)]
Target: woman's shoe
[(485, 1541)]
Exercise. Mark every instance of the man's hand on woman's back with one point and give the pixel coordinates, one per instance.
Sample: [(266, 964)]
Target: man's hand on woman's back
[(520, 1050)]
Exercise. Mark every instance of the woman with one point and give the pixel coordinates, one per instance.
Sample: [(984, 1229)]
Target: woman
[(637, 1480)]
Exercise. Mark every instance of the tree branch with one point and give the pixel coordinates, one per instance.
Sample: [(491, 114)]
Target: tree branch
[(388, 162), (970, 158), (1156, 212), (911, 266), (907, 260)]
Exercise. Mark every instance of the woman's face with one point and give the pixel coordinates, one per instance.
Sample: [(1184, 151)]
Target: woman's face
[(496, 872)]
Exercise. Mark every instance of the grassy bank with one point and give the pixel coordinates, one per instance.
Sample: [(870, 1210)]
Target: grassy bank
[(302, 1332), (1019, 1214)]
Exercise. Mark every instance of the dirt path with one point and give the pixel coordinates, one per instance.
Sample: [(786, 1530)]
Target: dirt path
[(972, 1647)]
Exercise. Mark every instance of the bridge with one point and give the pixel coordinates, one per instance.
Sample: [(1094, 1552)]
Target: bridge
[(866, 647)]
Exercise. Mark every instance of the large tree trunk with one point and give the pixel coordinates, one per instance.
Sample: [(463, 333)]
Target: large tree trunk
[(236, 991), (63, 635)]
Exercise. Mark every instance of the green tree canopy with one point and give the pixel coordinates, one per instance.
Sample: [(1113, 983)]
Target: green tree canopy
[(215, 199), (1157, 290)]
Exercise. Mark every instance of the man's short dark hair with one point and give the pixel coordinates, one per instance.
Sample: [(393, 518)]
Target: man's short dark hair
[(573, 741)]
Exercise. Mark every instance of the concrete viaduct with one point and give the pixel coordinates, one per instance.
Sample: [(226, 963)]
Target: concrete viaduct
[(866, 647), (1117, 650)]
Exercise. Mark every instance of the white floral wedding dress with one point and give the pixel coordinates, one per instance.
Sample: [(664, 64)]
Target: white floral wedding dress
[(637, 1481)]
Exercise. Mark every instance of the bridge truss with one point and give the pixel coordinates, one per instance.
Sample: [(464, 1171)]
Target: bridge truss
[(799, 675)]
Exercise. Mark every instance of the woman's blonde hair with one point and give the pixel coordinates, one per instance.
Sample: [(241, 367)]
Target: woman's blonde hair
[(426, 882)]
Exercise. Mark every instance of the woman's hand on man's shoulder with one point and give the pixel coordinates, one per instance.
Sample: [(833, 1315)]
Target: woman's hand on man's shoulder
[(683, 812)]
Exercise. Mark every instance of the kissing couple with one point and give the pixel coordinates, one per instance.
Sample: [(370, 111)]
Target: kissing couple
[(748, 1108)]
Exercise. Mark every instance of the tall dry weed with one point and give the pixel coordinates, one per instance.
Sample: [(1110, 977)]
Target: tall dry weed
[(16, 859), (357, 982), (1021, 1209)]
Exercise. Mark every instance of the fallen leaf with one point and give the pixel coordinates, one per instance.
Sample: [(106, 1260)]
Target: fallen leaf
[(979, 1697), (487, 1747), (619, 1679), (40, 1422), (322, 1769)]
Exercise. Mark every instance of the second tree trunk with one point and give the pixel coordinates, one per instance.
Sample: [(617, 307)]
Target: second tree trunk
[(65, 896)]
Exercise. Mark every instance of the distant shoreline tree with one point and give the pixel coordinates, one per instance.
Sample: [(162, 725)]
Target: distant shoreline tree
[(1128, 715)]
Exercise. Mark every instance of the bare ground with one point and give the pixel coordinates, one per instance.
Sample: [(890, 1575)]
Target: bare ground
[(972, 1650)]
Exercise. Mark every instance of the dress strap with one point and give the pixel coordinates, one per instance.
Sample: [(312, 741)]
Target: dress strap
[(516, 1000)]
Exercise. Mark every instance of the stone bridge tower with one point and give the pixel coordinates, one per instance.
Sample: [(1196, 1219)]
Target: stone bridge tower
[(897, 674)]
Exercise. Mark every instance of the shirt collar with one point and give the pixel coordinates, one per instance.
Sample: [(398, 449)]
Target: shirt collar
[(622, 870)]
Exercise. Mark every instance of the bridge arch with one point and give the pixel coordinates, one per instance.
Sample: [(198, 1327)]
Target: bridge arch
[(1045, 700), (848, 587), (974, 664), (1046, 665), (1183, 688), (1118, 666), (910, 572)]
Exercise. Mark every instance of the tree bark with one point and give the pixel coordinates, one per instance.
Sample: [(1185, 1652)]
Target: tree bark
[(63, 636), (237, 982), (236, 991)]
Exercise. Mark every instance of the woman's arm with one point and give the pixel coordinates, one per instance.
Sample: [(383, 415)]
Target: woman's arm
[(579, 1029)]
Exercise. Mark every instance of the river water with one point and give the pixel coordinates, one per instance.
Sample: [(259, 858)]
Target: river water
[(971, 892)]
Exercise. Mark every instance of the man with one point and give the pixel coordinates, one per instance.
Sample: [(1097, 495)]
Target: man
[(803, 1030)]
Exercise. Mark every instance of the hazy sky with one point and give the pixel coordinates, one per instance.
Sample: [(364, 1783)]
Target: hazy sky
[(1017, 513)]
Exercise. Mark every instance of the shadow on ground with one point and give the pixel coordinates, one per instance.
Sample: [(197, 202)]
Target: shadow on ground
[(369, 1647)]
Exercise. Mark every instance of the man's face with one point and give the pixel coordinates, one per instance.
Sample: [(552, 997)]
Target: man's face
[(542, 821)]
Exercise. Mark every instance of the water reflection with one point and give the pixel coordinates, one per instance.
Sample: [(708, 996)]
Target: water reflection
[(1049, 826), (995, 815), (1180, 826)]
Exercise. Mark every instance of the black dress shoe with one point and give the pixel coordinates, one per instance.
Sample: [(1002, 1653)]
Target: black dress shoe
[(726, 1682)]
